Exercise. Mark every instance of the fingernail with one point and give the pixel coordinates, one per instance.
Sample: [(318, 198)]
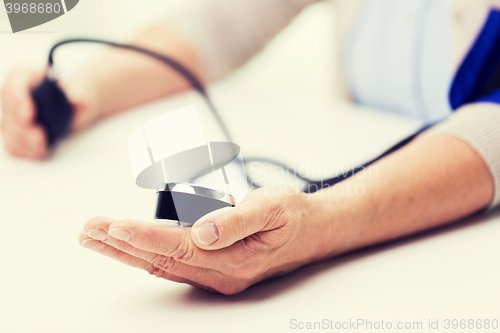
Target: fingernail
[(120, 234), (93, 245), (98, 234), (207, 233)]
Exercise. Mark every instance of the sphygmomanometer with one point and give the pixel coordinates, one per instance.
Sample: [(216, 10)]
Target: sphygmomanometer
[(54, 113), (181, 202)]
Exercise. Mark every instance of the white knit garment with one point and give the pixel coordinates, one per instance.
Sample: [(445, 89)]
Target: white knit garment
[(478, 125)]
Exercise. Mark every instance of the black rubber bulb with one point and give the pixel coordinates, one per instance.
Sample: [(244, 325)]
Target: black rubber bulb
[(53, 110)]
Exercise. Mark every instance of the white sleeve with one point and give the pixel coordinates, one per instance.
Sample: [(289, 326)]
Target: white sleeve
[(478, 124), (227, 33)]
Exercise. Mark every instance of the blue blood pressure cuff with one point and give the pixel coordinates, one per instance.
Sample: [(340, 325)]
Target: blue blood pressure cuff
[(478, 78)]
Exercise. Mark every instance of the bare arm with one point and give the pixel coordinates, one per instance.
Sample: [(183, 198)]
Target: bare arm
[(115, 82), (223, 34), (123, 79), (431, 182)]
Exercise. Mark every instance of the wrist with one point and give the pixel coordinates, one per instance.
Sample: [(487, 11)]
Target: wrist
[(341, 220), (82, 94)]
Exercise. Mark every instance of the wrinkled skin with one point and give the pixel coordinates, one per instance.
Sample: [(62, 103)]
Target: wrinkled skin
[(265, 236)]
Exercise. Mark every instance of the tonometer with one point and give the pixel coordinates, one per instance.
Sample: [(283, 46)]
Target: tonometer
[(178, 201)]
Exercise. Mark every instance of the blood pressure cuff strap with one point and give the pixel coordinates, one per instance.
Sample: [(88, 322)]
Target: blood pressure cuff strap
[(54, 111)]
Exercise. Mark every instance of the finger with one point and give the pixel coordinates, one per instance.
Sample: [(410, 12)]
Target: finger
[(113, 253), (26, 141), (175, 242), (109, 251), (12, 146), (163, 262), (224, 227), (98, 223), (199, 275), (171, 241), (14, 141), (33, 132), (17, 95), (100, 228), (38, 141), (203, 265), (34, 141)]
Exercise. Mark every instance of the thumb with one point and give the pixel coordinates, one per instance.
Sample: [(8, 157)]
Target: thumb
[(222, 228)]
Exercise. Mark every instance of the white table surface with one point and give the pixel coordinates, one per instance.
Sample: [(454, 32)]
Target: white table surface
[(48, 283)]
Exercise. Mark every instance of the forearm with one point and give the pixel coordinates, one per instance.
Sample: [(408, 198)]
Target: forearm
[(122, 78), (433, 181)]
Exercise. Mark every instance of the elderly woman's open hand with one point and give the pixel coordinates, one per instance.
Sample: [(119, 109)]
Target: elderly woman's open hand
[(278, 229), (225, 251)]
